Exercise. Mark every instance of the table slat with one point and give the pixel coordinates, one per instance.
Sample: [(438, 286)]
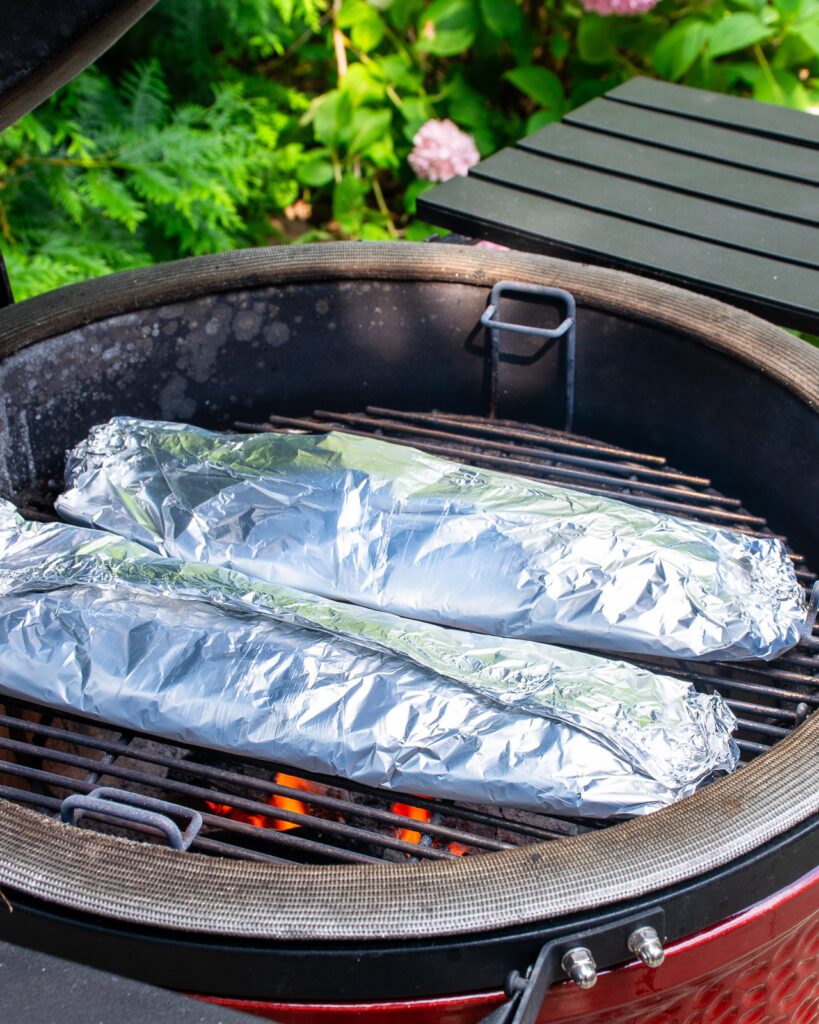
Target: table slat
[(653, 205), (731, 111), (762, 192), (711, 141)]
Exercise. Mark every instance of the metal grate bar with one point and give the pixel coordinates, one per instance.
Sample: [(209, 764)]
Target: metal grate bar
[(545, 450), (550, 463), (514, 433), (631, 491)]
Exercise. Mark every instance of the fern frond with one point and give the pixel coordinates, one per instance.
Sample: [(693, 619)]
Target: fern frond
[(105, 192), (145, 94)]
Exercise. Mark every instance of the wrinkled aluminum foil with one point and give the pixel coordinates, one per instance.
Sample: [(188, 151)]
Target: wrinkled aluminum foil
[(204, 655), (386, 526)]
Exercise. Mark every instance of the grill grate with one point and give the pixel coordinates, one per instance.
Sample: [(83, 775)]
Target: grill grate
[(259, 811)]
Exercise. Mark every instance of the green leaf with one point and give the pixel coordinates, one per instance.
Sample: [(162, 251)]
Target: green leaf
[(807, 29), (448, 27), (596, 39), (374, 233), (415, 112), (588, 89), (792, 52), (784, 88), (315, 173), (362, 86), (415, 189), (144, 89), (502, 17), (368, 32), (735, 33), (679, 48), (367, 27), (788, 8), (420, 231), (330, 115), (757, 6), (107, 193), (381, 153), (402, 12), (559, 47), (155, 184), (540, 85), (348, 203), (730, 76), (539, 120), (349, 12), (63, 190), (368, 126)]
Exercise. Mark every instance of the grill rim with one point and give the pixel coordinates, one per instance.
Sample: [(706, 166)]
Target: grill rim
[(726, 328), (127, 881)]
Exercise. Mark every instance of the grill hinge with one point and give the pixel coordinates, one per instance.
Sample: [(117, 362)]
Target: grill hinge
[(578, 957)]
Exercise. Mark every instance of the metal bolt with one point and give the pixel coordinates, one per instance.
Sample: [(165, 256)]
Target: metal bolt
[(579, 964), (645, 944), (515, 983)]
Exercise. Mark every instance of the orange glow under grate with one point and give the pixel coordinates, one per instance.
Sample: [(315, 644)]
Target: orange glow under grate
[(283, 803)]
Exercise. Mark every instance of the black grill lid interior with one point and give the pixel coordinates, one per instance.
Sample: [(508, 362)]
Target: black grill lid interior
[(44, 44)]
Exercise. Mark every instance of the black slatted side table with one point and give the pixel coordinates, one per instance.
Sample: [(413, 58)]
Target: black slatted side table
[(714, 193)]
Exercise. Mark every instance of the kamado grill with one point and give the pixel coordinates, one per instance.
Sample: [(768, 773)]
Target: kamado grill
[(307, 898)]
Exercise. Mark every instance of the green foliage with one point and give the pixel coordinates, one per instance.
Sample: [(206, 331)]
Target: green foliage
[(222, 123)]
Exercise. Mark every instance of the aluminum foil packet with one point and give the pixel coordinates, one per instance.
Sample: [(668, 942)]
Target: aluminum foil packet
[(387, 526), (209, 656)]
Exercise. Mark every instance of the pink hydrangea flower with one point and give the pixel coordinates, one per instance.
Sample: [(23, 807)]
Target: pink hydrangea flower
[(619, 6), (441, 151)]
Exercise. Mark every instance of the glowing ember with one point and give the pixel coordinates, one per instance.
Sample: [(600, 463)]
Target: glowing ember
[(284, 803), (296, 806), (417, 814), (226, 811)]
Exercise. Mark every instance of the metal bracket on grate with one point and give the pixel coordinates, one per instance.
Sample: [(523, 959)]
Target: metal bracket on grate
[(492, 322), (812, 612), (122, 805)]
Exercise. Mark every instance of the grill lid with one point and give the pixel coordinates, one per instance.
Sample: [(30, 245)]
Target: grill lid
[(43, 45)]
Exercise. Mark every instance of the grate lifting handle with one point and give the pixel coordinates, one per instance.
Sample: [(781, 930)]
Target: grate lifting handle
[(121, 805), (490, 319)]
